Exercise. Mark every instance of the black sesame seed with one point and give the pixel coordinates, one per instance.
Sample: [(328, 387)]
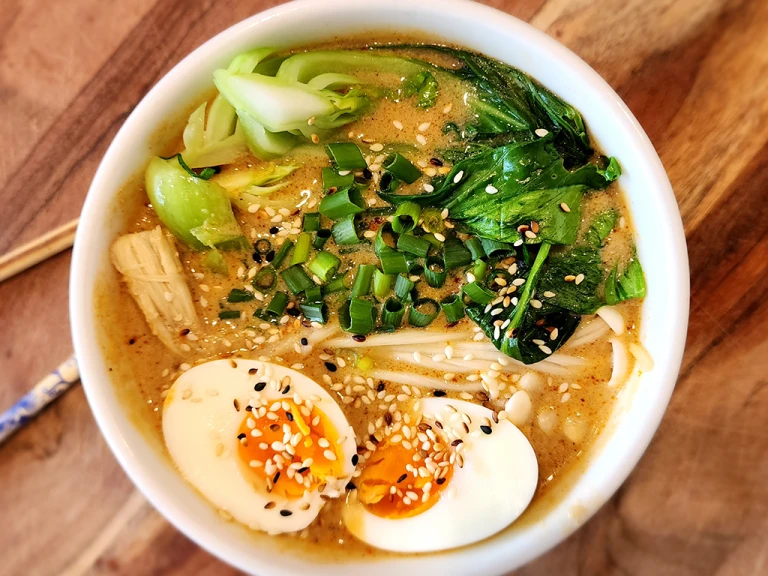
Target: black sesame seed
[(132, 341), (287, 389), (241, 436), (402, 478), (259, 386), (367, 174), (439, 393), (351, 486), (257, 257), (285, 513), (435, 161), (381, 387), (276, 478), (486, 429), (274, 427), (441, 481), (330, 366), (355, 459), (457, 442), (302, 469), (253, 371), (304, 342), (249, 408), (374, 439), (358, 338), (237, 404), (293, 312), (269, 505), (184, 332), (289, 415), (388, 418), (274, 230), (269, 256)]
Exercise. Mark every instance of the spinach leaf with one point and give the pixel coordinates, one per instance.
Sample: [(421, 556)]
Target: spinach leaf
[(527, 182), (581, 298), (422, 85), (626, 285), (601, 227)]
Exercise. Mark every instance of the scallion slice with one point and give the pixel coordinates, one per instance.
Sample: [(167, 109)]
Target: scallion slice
[(382, 283), (406, 217), (311, 222), (337, 284), (392, 313), (346, 156), (347, 202), (479, 269), (345, 231), (475, 292), (400, 167), (413, 245), (423, 311), (229, 314), (321, 237), (455, 254), (324, 265), (265, 279), (357, 316), (301, 251), (332, 180), (385, 239), (475, 247), (393, 262), (238, 295), (277, 304), (403, 288), (282, 253), (296, 279), (453, 308), (491, 247), (432, 220), (313, 295), (388, 183), (262, 246), (362, 285), (315, 311), (435, 273)]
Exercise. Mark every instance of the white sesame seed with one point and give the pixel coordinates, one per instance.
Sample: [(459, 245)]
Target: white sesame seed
[(417, 356), (458, 177), (579, 279), (397, 124), (444, 213), (564, 207), (421, 139), (424, 126), (369, 234), (553, 335), (565, 397), (545, 349), (491, 189), (536, 303), (447, 108), (439, 237), (470, 277), (378, 147), (329, 455), (541, 132), (549, 294)]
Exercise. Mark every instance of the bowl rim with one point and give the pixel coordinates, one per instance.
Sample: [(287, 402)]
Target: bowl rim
[(82, 285)]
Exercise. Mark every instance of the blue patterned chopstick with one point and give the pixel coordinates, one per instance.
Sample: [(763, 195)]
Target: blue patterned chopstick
[(44, 392)]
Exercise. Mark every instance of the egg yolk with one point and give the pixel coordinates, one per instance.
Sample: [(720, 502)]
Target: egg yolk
[(399, 481), (289, 449)]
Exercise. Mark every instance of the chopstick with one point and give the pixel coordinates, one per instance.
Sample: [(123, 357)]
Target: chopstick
[(37, 250), (44, 392)]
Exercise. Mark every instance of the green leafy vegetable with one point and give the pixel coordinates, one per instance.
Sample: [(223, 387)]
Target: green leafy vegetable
[(245, 187), (581, 297), (214, 261), (601, 227), (627, 285), (422, 85)]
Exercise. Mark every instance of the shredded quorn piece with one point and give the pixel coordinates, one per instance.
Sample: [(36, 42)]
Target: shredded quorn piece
[(150, 266)]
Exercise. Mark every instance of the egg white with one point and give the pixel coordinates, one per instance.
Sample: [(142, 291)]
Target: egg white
[(200, 426), (489, 492)]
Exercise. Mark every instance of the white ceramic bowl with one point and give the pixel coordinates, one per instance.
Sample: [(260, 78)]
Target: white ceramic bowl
[(661, 247)]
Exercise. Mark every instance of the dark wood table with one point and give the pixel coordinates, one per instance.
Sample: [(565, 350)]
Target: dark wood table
[(694, 72)]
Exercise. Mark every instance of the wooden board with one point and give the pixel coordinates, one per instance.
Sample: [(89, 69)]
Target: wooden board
[(694, 72)]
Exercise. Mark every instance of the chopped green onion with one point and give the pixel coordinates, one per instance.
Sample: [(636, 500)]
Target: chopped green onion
[(229, 314), (282, 253), (385, 240), (399, 166), (277, 305), (262, 246), (392, 313), (406, 217), (313, 294), (332, 180), (324, 265), (388, 184), (403, 288), (336, 285), (315, 311), (296, 279), (237, 295), (382, 283), (311, 222), (346, 156), (493, 246), (432, 220), (413, 245), (321, 237), (393, 262), (455, 254), (357, 316), (265, 279), (475, 292), (435, 273), (345, 231), (479, 269), (347, 202), (214, 261), (362, 285), (475, 247), (453, 308), (301, 252), (423, 311)]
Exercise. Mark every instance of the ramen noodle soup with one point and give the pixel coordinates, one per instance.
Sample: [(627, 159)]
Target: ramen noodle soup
[(380, 296)]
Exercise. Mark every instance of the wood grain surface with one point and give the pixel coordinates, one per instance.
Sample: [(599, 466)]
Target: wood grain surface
[(694, 72)]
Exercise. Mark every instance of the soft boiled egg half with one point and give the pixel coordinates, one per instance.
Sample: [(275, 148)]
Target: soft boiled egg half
[(261, 442), (451, 477)]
